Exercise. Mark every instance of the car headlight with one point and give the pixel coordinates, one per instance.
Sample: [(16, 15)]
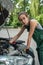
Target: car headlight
[(15, 60)]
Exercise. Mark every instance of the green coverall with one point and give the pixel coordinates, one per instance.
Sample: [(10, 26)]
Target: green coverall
[(38, 37)]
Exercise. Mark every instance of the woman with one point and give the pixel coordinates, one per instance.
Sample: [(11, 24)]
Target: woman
[(35, 30)]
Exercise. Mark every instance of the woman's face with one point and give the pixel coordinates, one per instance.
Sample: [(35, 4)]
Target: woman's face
[(24, 19)]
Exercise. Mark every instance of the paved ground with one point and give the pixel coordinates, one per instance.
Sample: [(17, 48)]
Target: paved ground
[(13, 32)]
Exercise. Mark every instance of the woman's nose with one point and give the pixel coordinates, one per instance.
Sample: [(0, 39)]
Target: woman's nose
[(23, 21)]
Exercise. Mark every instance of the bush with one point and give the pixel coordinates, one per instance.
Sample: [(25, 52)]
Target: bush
[(13, 22), (40, 19)]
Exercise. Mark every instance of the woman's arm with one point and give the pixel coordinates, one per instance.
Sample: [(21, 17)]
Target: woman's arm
[(18, 35), (21, 31), (32, 28)]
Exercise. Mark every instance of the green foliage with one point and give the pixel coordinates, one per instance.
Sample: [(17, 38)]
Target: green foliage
[(14, 21), (34, 8), (14, 15), (40, 19), (41, 9)]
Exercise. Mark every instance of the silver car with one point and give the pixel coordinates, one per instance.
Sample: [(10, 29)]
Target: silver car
[(14, 54)]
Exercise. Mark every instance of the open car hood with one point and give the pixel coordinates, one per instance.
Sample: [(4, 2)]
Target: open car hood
[(6, 7), (8, 4)]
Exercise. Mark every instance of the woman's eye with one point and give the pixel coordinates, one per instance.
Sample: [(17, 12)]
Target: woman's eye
[(23, 18), (20, 19)]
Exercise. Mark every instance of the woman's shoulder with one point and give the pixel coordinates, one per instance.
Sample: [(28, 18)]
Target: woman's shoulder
[(34, 20), (38, 24)]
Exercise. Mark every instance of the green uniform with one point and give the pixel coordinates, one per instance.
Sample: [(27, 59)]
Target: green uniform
[(38, 37)]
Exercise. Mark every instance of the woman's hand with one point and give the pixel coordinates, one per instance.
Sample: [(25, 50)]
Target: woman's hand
[(17, 36), (26, 49), (12, 41)]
